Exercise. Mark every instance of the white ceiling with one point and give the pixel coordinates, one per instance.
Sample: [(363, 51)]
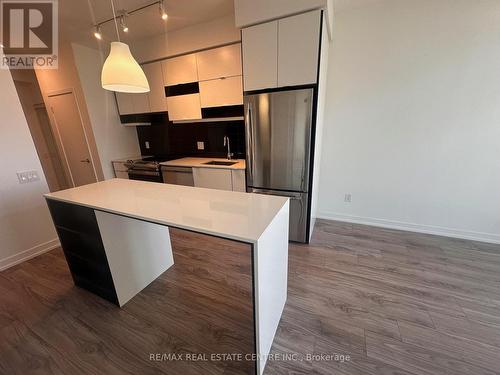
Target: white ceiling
[(344, 5), (77, 17)]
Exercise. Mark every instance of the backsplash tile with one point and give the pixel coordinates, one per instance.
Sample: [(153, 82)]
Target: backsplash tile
[(172, 141)]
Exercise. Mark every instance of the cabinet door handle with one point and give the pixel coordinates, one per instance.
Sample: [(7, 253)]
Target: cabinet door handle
[(85, 161)]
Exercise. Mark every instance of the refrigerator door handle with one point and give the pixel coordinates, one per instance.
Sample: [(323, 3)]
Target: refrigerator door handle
[(249, 137)]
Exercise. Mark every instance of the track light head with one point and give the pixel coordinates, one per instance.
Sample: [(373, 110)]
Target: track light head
[(123, 24), (163, 12), (97, 32)]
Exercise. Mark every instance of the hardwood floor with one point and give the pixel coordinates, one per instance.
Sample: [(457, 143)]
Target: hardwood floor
[(394, 302)]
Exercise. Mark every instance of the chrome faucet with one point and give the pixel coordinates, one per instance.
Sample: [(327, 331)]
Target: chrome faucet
[(226, 143)]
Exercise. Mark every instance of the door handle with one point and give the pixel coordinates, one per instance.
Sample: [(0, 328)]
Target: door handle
[(250, 142), (85, 161)]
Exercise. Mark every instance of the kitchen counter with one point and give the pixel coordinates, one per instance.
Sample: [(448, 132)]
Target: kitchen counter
[(233, 215), (199, 163), (116, 240)]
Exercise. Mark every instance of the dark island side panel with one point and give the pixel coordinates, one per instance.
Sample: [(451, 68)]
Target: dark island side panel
[(83, 248)]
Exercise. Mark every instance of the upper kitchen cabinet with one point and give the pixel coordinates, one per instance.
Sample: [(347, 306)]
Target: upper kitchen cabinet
[(125, 105), (184, 107), (298, 49), (221, 92), (179, 70), (132, 103), (260, 56), (157, 100), (219, 62), (282, 53)]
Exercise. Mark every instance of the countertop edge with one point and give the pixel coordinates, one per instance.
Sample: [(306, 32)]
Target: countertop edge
[(249, 241)]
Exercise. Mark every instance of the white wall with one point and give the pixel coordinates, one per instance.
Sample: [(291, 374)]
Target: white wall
[(413, 117), (320, 122), (204, 35), (113, 140), (25, 225)]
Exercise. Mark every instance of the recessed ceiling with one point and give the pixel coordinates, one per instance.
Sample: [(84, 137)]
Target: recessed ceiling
[(76, 18)]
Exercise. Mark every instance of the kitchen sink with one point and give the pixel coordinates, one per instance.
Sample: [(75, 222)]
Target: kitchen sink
[(216, 162)]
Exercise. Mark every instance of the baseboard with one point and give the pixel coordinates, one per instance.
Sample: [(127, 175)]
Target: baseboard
[(411, 227), (28, 254)]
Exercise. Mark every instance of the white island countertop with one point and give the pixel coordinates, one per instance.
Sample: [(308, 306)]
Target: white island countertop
[(200, 163), (233, 215)]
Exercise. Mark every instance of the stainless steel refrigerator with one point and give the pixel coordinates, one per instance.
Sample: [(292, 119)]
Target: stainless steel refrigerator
[(278, 135)]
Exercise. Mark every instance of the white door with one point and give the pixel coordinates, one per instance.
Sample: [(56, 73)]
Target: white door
[(72, 138), (260, 56), (298, 49)]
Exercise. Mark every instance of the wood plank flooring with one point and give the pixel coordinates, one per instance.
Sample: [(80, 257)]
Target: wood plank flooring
[(394, 302)]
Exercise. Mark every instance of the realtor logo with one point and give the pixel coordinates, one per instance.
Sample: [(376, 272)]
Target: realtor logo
[(29, 34)]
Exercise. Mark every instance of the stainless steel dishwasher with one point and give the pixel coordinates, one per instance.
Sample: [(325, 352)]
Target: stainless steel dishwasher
[(177, 175)]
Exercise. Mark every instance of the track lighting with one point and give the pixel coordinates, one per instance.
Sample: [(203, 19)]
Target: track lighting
[(123, 14), (123, 24), (97, 32), (163, 12)]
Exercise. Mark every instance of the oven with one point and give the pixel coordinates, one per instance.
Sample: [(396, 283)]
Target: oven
[(142, 175), (147, 169)]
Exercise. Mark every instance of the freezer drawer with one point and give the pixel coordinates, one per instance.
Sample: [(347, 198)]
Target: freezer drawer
[(298, 212), (178, 175)]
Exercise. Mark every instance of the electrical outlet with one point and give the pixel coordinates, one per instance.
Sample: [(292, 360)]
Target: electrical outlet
[(27, 177), (146, 144), (348, 198), (200, 145)]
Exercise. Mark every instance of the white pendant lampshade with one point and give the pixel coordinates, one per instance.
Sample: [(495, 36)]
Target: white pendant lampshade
[(121, 72)]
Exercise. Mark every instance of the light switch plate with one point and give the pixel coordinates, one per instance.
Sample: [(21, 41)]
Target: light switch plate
[(27, 177), (200, 145), (146, 144)]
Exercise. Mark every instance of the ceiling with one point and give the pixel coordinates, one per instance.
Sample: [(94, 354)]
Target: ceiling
[(344, 5), (77, 17)]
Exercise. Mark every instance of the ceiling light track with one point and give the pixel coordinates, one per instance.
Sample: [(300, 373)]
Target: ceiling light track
[(121, 18)]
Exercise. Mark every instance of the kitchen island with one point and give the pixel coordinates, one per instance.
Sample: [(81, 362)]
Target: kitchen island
[(116, 240)]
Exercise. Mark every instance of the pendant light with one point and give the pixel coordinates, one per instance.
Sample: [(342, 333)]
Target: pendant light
[(120, 72)]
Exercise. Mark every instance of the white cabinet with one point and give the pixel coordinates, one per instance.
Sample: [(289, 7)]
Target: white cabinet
[(157, 100), (179, 70), (125, 105), (213, 178), (238, 180), (260, 56), (132, 103), (184, 107), (281, 53), (219, 62), (298, 49), (140, 103), (221, 92)]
